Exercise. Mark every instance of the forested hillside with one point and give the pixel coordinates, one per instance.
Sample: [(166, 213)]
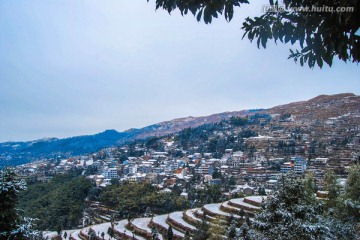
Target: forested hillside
[(57, 204)]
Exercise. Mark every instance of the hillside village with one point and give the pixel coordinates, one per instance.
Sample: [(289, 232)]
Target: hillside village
[(243, 156)]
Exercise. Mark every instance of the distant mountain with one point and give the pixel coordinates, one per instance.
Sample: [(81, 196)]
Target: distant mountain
[(319, 108), (15, 153), (176, 125)]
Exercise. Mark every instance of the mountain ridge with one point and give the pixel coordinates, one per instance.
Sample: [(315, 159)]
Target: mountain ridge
[(321, 107)]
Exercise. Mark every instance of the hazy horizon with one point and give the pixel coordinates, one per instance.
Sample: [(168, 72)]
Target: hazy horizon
[(165, 120), (71, 68)]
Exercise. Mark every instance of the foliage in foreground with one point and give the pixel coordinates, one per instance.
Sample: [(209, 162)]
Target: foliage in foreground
[(321, 34), (293, 212), (12, 226)]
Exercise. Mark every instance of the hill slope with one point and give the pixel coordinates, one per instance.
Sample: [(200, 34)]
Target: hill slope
[(320, 108)]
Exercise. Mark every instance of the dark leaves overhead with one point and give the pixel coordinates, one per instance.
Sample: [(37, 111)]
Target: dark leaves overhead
[(207, 9), (320, 33)]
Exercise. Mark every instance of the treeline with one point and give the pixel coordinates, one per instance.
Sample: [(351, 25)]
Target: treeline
[(138, 199), (57, 204)]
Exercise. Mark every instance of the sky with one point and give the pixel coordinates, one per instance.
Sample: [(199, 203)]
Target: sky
[(71, 68)]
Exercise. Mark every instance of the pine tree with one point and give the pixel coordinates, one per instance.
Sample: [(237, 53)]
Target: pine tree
[(309, 188), (231, 230), (154, 233), (242, 213), (11, 226), (288, 214), (110, 232), (170, 233), (202, 231), (187, 235), (92, 234), (349, 204), (333, 188), (245, 233), (216, 229)]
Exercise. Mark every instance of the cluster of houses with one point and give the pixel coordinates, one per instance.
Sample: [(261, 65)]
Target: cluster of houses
[(163, 169)]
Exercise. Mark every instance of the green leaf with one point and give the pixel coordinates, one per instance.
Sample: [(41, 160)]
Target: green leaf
[(207, 15), (263, 41), (198, 17), (319, 61)]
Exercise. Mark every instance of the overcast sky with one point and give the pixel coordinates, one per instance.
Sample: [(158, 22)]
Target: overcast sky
[(79, 67)]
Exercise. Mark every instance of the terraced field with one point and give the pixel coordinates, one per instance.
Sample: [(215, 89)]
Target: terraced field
[(181, 222)]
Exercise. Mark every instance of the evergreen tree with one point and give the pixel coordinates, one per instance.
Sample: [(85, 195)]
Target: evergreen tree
[(216, 230), (246, 233), (201, 232), (110, 232), (11, 225), (154, 233), (231, 230), (9, 188), (187, 235), (289, 214), (333, 188), (92, 234), (170, 233), (349, 204), (309, 187)]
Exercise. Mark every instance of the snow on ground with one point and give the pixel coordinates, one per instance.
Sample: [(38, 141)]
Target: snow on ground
[(106, 218), (191, 214), (215, 208), (161, 220), (261, 137), (177, 216), (143, 223), (99, 229), (258, 199), (226, 205), (120, 227), (75, 234), (49, 235), (240, 201)]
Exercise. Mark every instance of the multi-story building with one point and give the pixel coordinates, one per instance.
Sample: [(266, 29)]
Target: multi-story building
[(299, 164), (110, 173)]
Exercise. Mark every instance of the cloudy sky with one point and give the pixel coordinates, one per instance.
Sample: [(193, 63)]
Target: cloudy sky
[(79, 67)]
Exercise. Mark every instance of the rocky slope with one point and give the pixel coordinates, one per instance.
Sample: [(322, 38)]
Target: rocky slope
[(321, 107)]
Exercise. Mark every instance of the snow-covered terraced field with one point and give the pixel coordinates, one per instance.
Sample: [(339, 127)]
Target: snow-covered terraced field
[(178, 218), (191, 214), (181, 221), (121, 228), (226, 207), (99, 229), (239, 202), (214, 208), (75, 235), (255, 200), (143, 223), (161, 220)]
